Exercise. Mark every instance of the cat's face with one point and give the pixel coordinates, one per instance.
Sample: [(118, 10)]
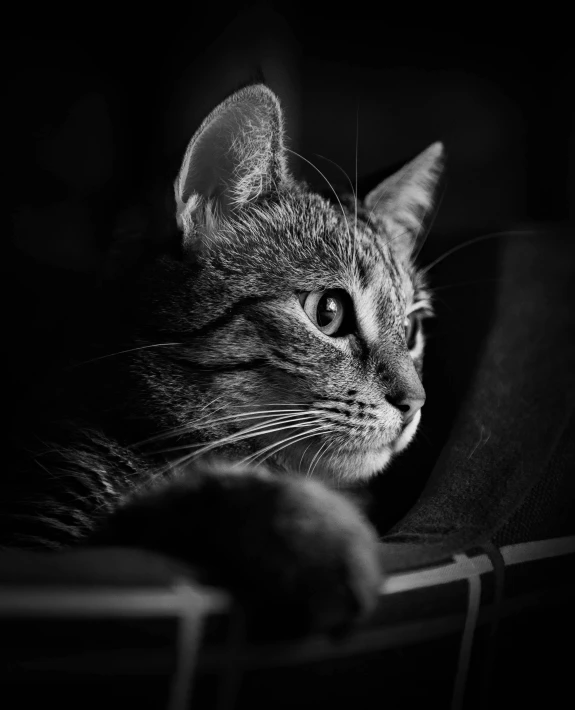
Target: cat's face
[(304, 346)]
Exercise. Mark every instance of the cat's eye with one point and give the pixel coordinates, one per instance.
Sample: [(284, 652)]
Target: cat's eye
[(330, 310), (411, 326)]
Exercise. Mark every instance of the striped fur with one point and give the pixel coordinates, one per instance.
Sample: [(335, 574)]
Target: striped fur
[(215, 355)]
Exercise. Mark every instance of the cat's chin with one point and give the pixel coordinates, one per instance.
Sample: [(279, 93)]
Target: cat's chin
[(355, 465), (363, 465)]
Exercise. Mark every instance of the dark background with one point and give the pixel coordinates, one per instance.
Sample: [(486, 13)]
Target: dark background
[(102, 120), (99, 123)]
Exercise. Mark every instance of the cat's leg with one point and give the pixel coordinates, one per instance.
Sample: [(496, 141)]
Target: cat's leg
[(297, 556)]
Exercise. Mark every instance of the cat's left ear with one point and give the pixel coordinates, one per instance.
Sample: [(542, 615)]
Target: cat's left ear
[(236, 155), (404, 201)]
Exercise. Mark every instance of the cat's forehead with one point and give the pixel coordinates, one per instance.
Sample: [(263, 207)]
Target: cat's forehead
[(309, 238)]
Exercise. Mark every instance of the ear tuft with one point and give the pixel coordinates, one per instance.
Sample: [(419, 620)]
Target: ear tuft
[(236, 155)]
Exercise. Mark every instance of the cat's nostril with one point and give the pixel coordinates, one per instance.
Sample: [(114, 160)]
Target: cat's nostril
[(408, 404)]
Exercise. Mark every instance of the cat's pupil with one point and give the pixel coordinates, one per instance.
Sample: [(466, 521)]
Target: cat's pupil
[(327, 310)]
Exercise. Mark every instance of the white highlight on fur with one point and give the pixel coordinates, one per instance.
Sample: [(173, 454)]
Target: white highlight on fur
[(407, 434), (366, 315), (424, 304), (417, 350)]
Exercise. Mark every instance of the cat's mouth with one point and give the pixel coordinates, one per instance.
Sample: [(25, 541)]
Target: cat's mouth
[(396, 444), (363, 464), (406, 434), (355, 462)]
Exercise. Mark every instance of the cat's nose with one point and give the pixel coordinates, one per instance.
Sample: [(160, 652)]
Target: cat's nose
[(409, 402)]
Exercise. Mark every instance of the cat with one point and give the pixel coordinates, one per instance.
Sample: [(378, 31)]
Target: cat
[(269, 356)]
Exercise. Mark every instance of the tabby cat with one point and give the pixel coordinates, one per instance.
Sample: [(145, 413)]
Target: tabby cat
[(270, 356)]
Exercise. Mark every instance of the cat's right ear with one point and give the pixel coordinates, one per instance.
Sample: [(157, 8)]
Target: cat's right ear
[(236, 155)]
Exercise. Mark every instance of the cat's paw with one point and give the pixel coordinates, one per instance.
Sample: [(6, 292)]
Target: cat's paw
[(307, 560), (297, 556)]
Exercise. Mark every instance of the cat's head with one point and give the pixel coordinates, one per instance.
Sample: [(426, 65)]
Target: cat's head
[(299, 317)]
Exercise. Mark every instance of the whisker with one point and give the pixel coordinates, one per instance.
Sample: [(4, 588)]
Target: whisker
[(232, 437), (316, 459), (314, 422), (475, 240), (176, 431), (468, 283), (250, 432), (209, 404), (304, 436), (330, 185), (323, 157), (334, 450), (123, 352), (193, 425), (257, 415), (302, 456), (301, 436), (309, 468)]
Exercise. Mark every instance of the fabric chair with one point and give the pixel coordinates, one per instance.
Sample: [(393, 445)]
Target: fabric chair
[(477, 598)]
